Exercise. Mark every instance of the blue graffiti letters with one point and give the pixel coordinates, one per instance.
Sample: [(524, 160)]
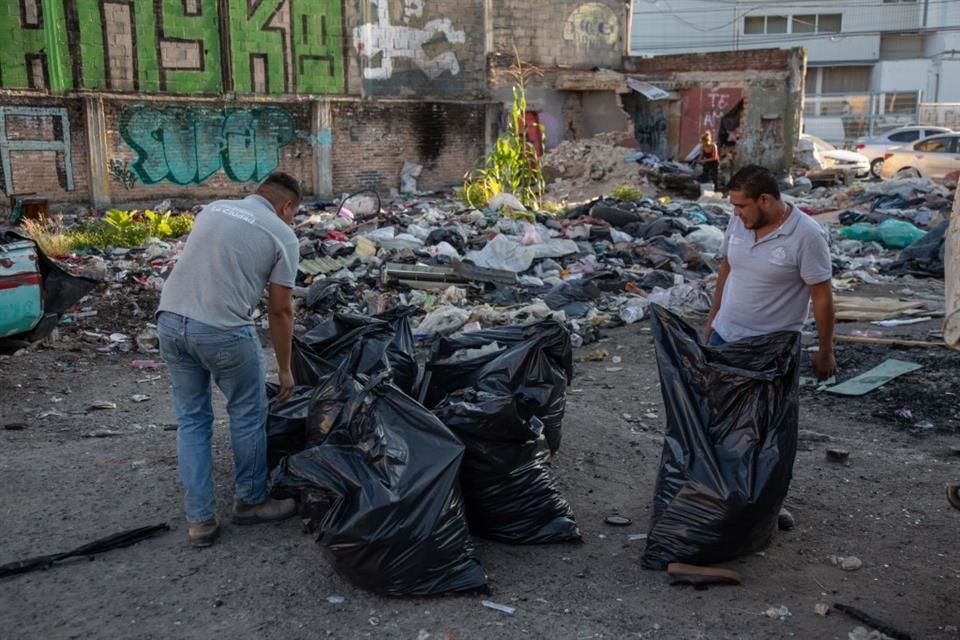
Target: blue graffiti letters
[(188, 145)]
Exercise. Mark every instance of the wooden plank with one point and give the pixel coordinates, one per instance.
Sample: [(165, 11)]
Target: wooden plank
[(951, 259), (890, 342), (875, 378)]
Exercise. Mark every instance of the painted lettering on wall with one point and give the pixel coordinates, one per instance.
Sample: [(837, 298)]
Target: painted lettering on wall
[(591, 25), (703, 110), (35, 130), (173, 46), (188, 145), (390, 43)]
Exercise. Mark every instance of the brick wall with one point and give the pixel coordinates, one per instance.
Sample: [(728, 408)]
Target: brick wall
[(562, 33), (206, 149), (735, 61), (58, 169), (371, 141)]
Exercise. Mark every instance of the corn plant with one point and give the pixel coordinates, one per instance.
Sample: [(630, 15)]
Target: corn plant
[(513, 166)]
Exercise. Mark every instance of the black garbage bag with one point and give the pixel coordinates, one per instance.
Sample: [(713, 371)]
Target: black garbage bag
[(327, 294), (386, 343), (450, 235), (511, 360), (287, 423), (730, 443), (613, 215), (507, 489), (925, 257), (382, 493)]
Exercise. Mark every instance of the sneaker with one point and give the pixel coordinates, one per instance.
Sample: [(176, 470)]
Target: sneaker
[(785, 520), (202, 534), (267, 511)]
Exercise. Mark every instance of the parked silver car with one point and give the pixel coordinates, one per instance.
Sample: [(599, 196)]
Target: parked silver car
[(936, 157), (876, 148)]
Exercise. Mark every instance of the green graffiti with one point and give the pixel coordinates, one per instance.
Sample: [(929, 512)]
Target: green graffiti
[(317, 54), (190, 51), (187, 145), (29, 55)]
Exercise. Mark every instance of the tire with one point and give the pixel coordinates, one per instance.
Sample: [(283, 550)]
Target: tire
[(875, 168)]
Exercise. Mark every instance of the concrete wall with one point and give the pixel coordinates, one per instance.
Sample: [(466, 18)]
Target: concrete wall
[(561, 32)]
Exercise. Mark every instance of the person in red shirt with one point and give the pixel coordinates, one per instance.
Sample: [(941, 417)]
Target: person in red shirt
[(709, 159)]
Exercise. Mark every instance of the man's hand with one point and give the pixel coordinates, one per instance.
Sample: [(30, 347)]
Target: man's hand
[(825, 364), (286, 386)]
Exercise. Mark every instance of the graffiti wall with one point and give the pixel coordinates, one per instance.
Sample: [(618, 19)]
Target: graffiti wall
[(415, 47), (165, 147), (173, 46), (702, 110), (43, 149)]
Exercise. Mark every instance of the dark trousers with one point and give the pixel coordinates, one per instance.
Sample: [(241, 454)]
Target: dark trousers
[(711, 172)]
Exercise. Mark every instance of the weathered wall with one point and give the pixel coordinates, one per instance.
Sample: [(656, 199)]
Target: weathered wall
[(43, 148), (405, 48), (769, 81), (204, 149), (562, 33), (372, 140), (197, 47)]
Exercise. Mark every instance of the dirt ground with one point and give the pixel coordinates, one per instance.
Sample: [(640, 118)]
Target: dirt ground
[(63, 487)]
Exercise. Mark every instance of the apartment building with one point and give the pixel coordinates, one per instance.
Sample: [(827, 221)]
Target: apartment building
[(891, 46)]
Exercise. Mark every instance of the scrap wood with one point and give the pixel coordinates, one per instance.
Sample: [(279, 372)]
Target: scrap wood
[(701, 577), (869, 620), (890, 342), (869, 309)]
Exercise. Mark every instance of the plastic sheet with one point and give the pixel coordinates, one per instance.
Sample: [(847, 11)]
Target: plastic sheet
[(534, 359), (507, 490), (382, 493), (925, 257), (730, 442)]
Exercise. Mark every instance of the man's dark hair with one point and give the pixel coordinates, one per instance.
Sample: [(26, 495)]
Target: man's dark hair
[(283, 181), (754, 181)]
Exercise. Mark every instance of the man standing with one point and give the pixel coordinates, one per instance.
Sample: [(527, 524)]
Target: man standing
[(205, 323), (776, 260)]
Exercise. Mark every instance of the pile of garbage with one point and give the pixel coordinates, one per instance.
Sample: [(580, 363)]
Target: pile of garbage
[(586, 169), (395, 468)]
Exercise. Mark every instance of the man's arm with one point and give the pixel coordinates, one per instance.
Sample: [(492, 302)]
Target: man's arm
[(280, 313), (825, 364), (717, 297)]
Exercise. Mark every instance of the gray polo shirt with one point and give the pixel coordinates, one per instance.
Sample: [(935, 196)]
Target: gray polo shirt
[(767, 289), (235, 248)]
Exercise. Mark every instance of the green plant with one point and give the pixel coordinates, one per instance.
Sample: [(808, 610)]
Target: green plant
[(627, 193), (159, 224), (181, 225), (554, 208), (514, 165), (120, 171)]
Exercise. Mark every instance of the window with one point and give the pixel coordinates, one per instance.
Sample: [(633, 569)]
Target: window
[(902, 46), (829, 23), (754, 24), (802, 23), (776, 24), (842, 79), (932, 132), (939, 145), (904, 136)]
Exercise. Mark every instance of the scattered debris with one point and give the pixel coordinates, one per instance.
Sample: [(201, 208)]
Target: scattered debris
[(875, 378), (777, 613), (701, 577), (499, 607), (821, 609), (618, 521), (867, 619), (847, 563), (840, 456)]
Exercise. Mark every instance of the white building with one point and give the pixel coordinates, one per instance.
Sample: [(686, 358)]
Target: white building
[(853, 46)]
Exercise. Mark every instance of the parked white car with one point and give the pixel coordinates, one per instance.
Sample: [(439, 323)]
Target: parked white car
[(876, 147), (815, 153), (936, 158)]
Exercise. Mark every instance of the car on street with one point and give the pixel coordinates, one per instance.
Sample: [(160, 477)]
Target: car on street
[(874, 148), (828, 157), (936, 158)]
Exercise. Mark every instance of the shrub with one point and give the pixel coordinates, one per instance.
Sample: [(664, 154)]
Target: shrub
[(627, 193), (49, 235), (181, 225)]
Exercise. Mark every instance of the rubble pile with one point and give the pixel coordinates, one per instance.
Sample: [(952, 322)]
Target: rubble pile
[(587, 169)]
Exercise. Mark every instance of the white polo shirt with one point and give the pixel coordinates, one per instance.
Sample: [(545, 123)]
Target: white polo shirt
[(767, 289)]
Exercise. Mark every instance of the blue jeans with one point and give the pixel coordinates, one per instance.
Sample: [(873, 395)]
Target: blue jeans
[(195, 353), (716, 340)]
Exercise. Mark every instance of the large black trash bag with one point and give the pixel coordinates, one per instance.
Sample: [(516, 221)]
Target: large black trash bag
[(730, 443), (381, 491), (287, 423), (527, 356), (924, 258), (507, 489), (387, 343)]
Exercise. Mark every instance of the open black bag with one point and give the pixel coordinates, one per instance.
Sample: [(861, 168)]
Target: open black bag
[(287, 423), (386, 343), (529, 358), (382, 492), (507, 489), (731, 439)]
